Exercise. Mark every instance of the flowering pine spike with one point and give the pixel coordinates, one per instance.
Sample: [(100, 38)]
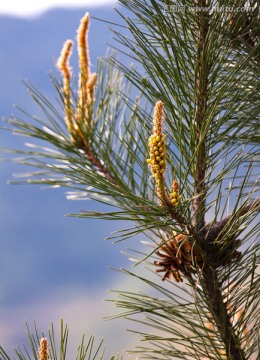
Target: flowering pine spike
[(157, 146), (157, 160), (63, 66), (91, 87), (87, 81), (158, 120), (175, 186), (83, 52), (43, 349), (174, 195)]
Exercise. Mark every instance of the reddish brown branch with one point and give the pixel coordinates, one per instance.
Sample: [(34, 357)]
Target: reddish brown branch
[(96, 162)]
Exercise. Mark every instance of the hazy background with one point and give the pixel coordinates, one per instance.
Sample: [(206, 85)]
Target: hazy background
[(51, 266)]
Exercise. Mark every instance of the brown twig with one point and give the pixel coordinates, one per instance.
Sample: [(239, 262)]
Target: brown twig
[(98, 164)]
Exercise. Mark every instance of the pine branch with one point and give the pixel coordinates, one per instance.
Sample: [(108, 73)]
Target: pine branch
[(212, 286), (219, 311), (202, 70)]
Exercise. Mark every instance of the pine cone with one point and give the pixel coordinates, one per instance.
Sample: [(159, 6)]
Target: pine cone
[(179, 255)]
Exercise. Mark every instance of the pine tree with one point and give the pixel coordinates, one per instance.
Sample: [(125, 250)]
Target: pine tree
[(179, 161)]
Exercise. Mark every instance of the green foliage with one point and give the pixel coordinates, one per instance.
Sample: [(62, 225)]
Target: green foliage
[(204, 66), (87, 350)]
